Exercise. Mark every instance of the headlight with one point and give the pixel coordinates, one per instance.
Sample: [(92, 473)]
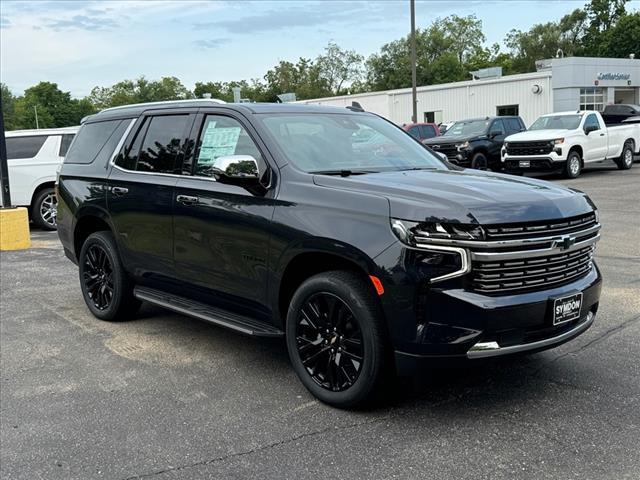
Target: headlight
[(415, 233), (436, 262), (557, 141), (462, 145)]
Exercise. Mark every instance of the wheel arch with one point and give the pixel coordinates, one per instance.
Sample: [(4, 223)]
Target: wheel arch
[(298, 264), (41, 186), (91, 221), (579, 150)]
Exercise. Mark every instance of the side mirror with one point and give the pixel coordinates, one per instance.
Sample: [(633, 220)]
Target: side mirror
[(495, 134), (442, 156), (590, 128), (237, 169)]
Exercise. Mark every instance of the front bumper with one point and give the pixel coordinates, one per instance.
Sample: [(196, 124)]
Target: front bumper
[(459, 324), (536, 164)]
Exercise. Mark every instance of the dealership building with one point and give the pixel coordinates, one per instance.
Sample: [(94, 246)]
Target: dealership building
[(559, 84)]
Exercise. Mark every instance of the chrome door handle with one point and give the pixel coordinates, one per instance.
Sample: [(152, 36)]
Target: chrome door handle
[(187, 199), (119, 190)]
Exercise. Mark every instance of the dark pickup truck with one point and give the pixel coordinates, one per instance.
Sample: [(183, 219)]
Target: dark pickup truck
[(477, 142), (333, 229)]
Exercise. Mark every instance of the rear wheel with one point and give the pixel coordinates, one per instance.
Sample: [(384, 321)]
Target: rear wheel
[(574, 165), (625, 162), (45, 209), (336, 338), (106, 288)]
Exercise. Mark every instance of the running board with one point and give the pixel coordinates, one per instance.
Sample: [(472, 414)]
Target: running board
[(198, 310)]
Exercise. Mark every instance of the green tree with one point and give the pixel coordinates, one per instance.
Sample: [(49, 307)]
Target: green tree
[(622, 39), (8, 108), (302, 78), (339, 67), (140, 90)]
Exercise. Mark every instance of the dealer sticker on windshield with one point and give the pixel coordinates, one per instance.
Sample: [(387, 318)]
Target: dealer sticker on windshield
[(566, 309)]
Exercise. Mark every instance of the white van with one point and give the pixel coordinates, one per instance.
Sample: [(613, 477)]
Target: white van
[(33, 158)]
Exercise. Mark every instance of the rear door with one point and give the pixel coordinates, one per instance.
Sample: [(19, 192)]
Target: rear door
[(222, 230), (32, 160), (140, 193)]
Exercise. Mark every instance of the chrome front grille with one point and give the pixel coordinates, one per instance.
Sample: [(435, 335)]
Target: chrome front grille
[(524, 257), (531, 273)]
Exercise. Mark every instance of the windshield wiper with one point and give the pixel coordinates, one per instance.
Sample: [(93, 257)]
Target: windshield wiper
[(342, 173), (417, 168)]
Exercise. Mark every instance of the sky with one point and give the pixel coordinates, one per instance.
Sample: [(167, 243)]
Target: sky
[(82, 44)]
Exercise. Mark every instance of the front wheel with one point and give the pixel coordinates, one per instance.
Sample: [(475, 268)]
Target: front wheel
[(106, 288), (480, 162), (44, 210), (574, 165), (625, 162), (336, 338)]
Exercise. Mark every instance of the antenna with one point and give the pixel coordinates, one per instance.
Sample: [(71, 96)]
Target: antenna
[(355, 107)]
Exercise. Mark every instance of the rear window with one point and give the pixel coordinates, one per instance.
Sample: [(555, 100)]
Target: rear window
[(158, 150), (64, 144), (92, 140), (24, 147), (428, 131)]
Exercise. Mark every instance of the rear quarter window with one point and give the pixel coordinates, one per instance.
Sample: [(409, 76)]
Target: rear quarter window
[(95, 140), (64, 144), (24, 147)]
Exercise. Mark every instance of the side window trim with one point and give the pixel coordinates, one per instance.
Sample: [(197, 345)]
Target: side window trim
[(142, 126)]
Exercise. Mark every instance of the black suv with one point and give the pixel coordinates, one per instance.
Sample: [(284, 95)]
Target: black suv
[(477, 142), (332, 228)]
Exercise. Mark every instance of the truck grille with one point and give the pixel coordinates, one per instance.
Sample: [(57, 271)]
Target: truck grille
[(533, 273), (529, 148), (559, 227), (449, 149)]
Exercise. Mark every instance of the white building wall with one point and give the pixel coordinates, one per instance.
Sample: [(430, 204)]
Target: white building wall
[(460, 100)]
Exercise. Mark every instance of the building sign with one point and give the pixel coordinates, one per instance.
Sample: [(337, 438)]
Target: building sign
[(613, 76)]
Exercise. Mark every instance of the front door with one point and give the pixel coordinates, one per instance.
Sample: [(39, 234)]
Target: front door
[(140, 194), (222, 230), (597, 144)]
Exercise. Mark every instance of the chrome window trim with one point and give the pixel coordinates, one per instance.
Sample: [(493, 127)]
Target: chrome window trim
[(116, 150), (465, 263)]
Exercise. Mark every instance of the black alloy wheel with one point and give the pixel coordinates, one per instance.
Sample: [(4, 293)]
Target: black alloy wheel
[(337, 339), (97, 276), (329, 342), (480, 162), (106, 287)]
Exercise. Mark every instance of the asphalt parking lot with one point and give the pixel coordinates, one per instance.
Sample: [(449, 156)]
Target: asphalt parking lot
[(163, 396)]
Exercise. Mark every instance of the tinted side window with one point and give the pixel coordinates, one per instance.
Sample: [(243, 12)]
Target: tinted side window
[(162, 144), (591, 121), (414, 132), (513, 125), (497, 128), (64, 144), (24, 147), (222, 136), (92, 138), (428, 131)]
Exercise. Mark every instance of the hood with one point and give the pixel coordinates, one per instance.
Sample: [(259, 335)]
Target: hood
[(537, 135), (449, 139), (466, 196)]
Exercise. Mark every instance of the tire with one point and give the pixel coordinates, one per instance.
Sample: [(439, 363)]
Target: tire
[(625, 162), (106, 288), (573, 167), (45, 209), (353, 371), (480, 162)]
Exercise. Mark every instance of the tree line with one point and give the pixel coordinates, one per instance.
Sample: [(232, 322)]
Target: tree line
[(447, 51)]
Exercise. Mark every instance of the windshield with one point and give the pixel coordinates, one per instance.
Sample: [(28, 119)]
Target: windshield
[(467, 127), (352, 142), (557, 122)]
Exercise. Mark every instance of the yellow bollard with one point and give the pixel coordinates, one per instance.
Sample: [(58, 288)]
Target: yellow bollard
[(14, 229)]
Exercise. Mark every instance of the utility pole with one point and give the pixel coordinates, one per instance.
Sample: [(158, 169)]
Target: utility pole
[(35, 109), (5, 193), (414, 95)]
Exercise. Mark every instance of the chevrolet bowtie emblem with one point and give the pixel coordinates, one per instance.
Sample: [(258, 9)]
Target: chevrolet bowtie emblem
[(565, 242)]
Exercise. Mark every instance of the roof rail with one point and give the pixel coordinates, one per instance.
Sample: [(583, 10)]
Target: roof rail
[(189, 100)]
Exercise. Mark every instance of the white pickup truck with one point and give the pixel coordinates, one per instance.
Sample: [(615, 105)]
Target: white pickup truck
[(567, 141), (33, 158)]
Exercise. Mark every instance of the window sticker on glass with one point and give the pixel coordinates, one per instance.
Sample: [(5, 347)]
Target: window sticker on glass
[(217, 142)]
